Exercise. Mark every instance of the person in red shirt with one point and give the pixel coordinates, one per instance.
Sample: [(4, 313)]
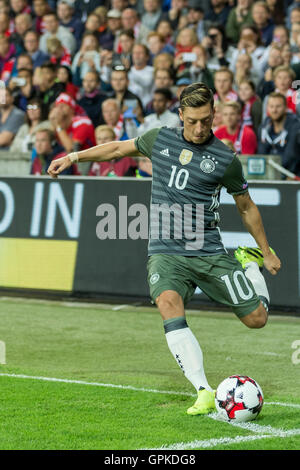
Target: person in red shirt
[(74, 130), (125, 166), (242, 136)]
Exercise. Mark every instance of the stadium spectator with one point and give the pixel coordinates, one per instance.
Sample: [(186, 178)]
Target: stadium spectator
[(49, 88), (113, 117), (5, 24), (68, 19), (185, 41), (22, 88), (283, 78), (157, 45), (59, 55), (140, 74), (73, 131), (251, 104), (218, 12), (130, 20), (241, 135), (177, 9), (126, 43), (23, 23), (119, 167), (250, 42), (223, 84), (165, 30), (45, 150), (164, 60), (261, 16), (40, 9), (152, 14), (277, 10), (218, 120), (125, 98), (31, 46), (84, 8), (198, 71), (275, 59), (7, 58), (162, 116), (279, 134), (114, 24), (19, 6), (64, 75), (11, 119), (25, 137), (163, 78), (218, 50), (53, 28), (92, 98), (244, 70), (87, 59), (195, 19), (237, 18)]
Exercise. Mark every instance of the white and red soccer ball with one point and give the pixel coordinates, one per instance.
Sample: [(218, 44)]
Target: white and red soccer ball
[(238, 399)]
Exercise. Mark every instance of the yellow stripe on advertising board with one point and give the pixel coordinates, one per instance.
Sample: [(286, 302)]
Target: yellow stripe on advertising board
[(37, 264)]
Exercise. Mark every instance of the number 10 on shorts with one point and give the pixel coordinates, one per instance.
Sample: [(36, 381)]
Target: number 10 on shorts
[(238, 287)]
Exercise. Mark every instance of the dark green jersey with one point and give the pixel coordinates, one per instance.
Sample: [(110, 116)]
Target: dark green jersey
[(187, 179)]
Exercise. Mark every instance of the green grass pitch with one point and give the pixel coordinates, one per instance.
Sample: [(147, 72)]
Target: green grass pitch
[(116, 386)]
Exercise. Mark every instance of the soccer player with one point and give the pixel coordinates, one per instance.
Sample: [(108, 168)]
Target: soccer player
[(190, 165)]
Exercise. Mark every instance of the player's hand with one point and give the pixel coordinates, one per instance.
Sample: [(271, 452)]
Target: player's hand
[(272, 263), (59, 165)]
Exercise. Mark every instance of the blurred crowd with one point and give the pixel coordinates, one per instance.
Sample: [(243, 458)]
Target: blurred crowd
[(76, 73)]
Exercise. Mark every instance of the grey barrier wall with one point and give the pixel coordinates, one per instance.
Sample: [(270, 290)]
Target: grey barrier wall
[(87, 236)]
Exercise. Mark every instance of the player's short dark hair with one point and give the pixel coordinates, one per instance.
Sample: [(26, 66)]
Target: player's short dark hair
[(49, 65), (196, 95), (165, 92)]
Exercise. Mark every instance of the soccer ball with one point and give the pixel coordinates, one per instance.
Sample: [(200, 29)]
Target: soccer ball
[(238, 399)]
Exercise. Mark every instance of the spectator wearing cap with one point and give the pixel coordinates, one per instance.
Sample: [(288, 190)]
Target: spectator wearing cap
[(238, 17), (181, 84), (53, 28), (31, 45), (218, 12), (74, 132), (141, 74), (131, 20), (152, 14), (92, 98), (68, 19), (162, 116), (114, 24)]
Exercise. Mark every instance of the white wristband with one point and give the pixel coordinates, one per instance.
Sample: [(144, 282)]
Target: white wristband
[(73, 157)]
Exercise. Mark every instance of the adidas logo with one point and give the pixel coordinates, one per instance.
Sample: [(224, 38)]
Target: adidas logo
[(165, 152)]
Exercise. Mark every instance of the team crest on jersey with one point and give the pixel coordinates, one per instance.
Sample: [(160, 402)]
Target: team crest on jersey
[(208, 164), (154, 278), (185, 157)]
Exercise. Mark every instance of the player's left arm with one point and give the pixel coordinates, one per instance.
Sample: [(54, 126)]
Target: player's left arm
[(253, 222)]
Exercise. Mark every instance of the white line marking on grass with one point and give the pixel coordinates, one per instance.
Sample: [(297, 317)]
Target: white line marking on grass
[(209, 443), (124, 387)]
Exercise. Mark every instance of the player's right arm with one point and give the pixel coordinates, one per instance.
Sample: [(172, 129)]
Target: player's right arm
[(98, 153)]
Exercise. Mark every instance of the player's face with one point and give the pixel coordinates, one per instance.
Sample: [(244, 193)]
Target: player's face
[(197, 123)]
